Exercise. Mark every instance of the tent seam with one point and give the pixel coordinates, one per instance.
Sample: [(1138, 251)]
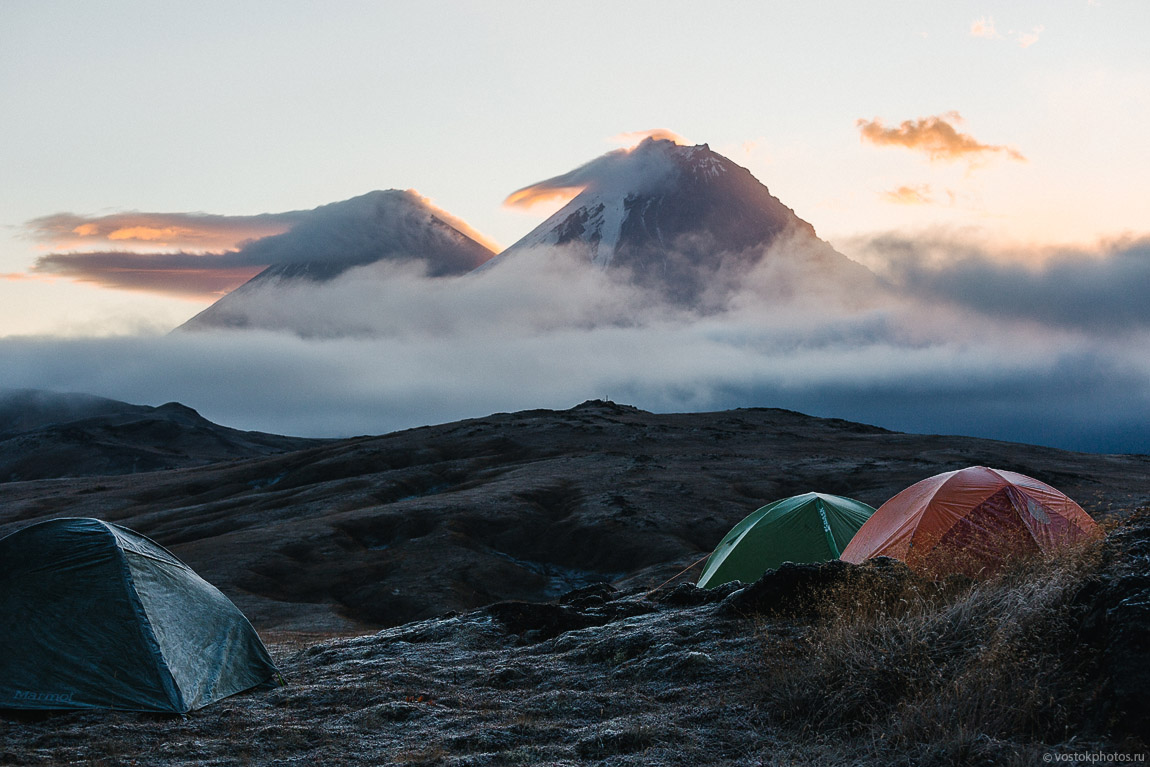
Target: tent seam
[(827, 527)]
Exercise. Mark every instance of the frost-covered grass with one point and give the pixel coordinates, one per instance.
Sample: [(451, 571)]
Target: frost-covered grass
[(996, 671), (889, 670)]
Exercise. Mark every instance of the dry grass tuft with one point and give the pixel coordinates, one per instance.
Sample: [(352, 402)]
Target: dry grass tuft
[(953, 672)]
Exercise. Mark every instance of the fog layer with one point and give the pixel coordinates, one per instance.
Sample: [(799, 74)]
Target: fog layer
[(1056, 354)]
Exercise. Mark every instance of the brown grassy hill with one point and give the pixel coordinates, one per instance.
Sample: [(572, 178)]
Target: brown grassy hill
[(379, 531)]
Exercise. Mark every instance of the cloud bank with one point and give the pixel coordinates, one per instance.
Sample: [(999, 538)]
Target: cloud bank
[(1102, 291), (936, 136), (949, 348)]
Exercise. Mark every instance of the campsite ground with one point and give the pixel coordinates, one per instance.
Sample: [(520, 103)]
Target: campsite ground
[(427, 534), (818, 664)]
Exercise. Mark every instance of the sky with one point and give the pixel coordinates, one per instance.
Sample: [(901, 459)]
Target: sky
[(943, 144)]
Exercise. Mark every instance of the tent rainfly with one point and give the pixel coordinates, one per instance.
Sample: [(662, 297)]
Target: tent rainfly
[(813, 527), (93, 615), (971, 521)]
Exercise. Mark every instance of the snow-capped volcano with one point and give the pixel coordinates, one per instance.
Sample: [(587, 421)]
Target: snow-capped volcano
[(672, 216), (392, 225)]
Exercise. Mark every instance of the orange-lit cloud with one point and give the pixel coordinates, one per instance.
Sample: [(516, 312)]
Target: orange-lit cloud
[(1027, 39), (23, 277), (539, 196), (644, 162), (153, 234), (184, 275), (187, 231), (558, 191), (208, 261), (984, 27), (936, 136), (634, 138), (909, 195)]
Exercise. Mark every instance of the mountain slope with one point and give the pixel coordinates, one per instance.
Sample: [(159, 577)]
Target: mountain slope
[(681, 219), (376, 531), (383, 226), (49, 435)]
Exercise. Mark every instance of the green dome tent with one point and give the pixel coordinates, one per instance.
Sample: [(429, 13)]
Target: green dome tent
[(804, 528), (93, 615)]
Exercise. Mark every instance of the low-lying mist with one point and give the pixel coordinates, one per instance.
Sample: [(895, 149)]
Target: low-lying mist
[(935, 345)]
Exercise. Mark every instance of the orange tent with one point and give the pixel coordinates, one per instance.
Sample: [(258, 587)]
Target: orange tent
[(970, 521)]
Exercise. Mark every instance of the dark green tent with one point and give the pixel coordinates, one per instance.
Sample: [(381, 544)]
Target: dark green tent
[(93, 615), (804, 528)]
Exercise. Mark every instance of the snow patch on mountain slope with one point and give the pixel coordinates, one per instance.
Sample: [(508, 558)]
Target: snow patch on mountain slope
[(610, 225), (704, 162)]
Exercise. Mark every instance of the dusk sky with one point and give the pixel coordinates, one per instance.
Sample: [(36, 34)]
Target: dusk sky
[(240, 109), (1009, 137)]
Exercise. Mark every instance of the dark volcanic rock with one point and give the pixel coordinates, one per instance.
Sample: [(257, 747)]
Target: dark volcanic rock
[(578, 609), (797, 589), (688, 595), (534, 620)]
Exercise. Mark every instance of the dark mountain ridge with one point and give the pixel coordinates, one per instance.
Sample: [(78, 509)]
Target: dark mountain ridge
[(47, 435), (377, 531)]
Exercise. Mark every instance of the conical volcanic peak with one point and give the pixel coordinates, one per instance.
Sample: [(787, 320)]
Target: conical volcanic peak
[(391, 225), (672, 217)]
